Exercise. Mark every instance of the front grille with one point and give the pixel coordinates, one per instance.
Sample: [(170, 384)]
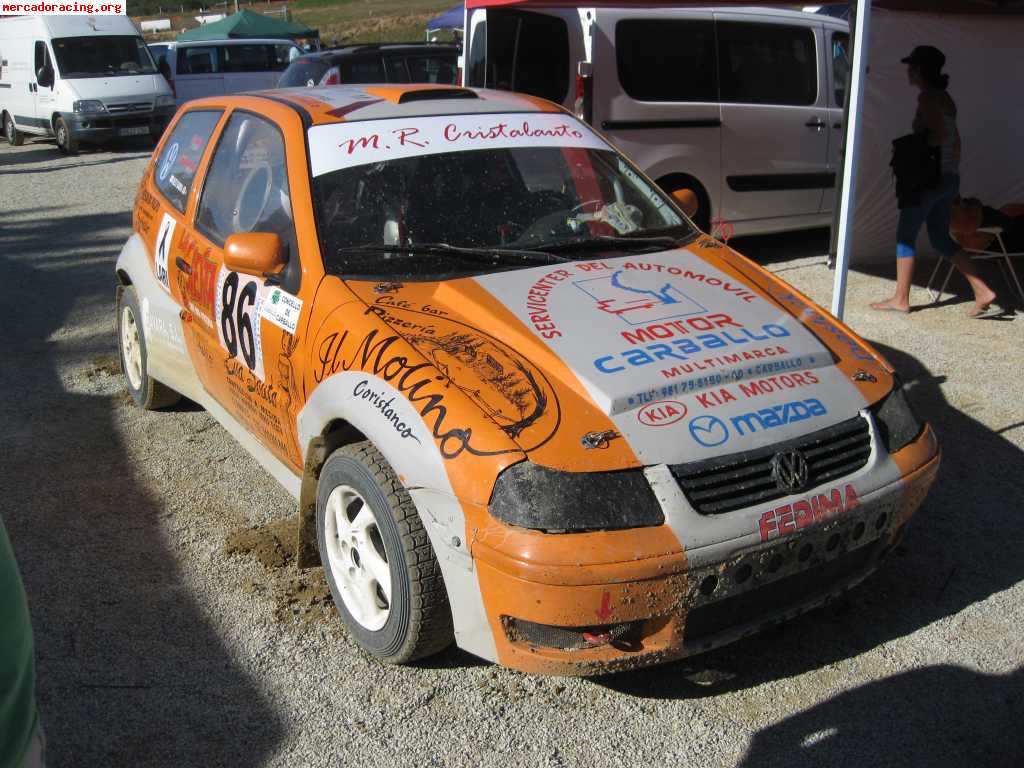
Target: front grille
[(726, 483), (137, 106)]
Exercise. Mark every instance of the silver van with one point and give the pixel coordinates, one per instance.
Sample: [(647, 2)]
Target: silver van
[(216, 67), (744, 105)]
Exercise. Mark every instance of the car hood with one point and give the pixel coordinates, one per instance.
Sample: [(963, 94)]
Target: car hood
[(671, 357)]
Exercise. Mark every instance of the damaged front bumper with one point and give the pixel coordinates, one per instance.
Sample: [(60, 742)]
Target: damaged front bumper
[(585, 618)]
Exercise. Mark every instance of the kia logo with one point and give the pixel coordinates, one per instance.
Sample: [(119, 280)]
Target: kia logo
[(661, 413), (709, 431), (789, 471)]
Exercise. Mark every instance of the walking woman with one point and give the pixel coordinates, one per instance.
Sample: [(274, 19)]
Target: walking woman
[(936, 117)]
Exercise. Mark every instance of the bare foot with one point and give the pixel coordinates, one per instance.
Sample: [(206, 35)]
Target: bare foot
[(982, 303), (890, 306)]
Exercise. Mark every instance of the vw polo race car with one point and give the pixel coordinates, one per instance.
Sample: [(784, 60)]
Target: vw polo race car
[(522, 402)]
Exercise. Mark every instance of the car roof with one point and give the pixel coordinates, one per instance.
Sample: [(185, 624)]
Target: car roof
[(231, 41), (342, 103)]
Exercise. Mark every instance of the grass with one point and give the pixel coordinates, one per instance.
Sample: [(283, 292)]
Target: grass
[(347, 20)]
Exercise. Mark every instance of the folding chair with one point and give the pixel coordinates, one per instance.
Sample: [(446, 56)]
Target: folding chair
[(980, 244)]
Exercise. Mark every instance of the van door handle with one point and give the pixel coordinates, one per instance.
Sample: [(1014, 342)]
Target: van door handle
[(183, 265), (817, 123)]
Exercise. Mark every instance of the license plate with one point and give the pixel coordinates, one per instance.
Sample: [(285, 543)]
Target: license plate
[(137, 130)]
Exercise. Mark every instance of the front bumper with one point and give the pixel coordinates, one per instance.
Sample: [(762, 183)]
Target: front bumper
[(561, 619), (103, 126)]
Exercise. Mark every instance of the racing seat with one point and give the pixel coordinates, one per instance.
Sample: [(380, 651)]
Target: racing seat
[(980, 244)]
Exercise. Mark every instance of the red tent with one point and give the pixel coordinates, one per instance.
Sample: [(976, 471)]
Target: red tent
[(860, 20)]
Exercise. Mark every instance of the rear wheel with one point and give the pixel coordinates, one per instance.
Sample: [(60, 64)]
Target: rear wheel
[(66, 142), (14, 137), (146, 391), (380, 566)]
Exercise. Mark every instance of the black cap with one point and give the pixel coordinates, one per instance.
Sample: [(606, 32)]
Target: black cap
[(926, 57)]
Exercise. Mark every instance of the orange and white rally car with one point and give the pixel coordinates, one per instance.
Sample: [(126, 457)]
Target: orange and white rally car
[(522, 402)]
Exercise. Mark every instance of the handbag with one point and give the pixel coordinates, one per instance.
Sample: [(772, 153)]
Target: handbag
[(917, 167)]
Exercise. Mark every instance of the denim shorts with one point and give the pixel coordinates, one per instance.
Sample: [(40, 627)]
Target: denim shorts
[(935, 209)]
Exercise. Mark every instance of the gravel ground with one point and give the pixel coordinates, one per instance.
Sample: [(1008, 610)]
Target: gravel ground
[(163, 640)]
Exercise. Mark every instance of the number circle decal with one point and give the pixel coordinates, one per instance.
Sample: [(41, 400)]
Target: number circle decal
[(239, 299)]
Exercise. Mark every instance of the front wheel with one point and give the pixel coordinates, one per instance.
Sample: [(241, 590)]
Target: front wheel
[(382, 571), (146, 391), (66, 142), (14, 137)]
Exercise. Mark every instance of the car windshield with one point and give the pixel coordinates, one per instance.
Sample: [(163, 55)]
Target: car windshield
[(102, 56), (430, 215)]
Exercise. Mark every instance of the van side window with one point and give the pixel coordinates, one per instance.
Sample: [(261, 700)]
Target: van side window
[(767, 64), (179, 159), (664, 60), (246, 188), (253, 57), (200, 60), (42, 56), (840, 66), (528, 52)]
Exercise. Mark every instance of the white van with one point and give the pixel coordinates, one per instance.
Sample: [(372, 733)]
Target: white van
[(80, 79), (742, 105), (215, 67)]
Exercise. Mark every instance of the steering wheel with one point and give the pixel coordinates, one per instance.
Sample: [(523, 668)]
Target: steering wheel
[(254, 191)]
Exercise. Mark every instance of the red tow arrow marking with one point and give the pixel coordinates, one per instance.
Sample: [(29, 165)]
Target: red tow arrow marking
[(606, 607)]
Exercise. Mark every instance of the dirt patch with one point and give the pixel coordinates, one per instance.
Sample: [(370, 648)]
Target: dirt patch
[(273, 544), (104, 365), (301, 597)]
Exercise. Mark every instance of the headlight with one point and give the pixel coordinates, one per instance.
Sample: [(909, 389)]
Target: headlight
[(897, 422), (545, 499), (88, 105), (165, 101)]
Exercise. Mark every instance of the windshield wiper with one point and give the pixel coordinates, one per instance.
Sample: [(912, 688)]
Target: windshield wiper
[(494, 255), (605, 242)]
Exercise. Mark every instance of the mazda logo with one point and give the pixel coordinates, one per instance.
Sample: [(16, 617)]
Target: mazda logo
[(789, 471)]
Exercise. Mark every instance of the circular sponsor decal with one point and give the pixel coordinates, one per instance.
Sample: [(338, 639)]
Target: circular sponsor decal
[(661, 413), (165, 167), (709, 431)]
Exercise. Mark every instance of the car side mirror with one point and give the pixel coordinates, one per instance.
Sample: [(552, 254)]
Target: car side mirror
[(45, 77), (254, 253), (687, 200)]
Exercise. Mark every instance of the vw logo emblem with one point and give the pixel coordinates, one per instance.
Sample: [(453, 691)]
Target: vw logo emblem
[(789, 471)]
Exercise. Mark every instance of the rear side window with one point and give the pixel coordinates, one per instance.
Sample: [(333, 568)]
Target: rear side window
[(303, 71), (665, 60), (200, 60), (528, 52), (431, 69), (767, 64), (253, 57), (177, 164), (362, 69)]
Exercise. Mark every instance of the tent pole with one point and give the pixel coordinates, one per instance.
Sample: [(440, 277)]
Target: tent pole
[(858, 69)]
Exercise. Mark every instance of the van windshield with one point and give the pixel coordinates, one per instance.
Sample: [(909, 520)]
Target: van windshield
[(102, 56)]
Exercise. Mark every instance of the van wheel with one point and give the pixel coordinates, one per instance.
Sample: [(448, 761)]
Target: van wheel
[(147, 392), (14, 137), (381, 569), (66, 142)]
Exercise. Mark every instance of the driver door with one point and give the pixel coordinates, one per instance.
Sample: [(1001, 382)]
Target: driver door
[(242, 347)]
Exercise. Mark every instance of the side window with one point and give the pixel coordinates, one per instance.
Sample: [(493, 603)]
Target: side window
[(365, 69), (528, 52), (767, 64), (395, 67), (840, 66), (246, 58), (246, 188), (428, 69), (283, 55), (200, 60), (665, 60), (42, 57), (476, 65), (177, 164)]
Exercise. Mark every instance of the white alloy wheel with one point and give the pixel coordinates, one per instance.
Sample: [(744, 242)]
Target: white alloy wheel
[(356, 557), (131, 347)]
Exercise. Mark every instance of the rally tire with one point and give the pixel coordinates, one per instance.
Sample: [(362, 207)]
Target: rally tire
[(419, 619), (66, 141), (14, 137), (147, 392)]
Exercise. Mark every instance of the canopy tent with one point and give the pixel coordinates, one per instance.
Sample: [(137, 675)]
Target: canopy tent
[(450, 19), (249, 24), (860, 17)]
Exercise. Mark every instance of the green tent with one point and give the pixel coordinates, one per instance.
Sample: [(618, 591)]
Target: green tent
[(248, 24)]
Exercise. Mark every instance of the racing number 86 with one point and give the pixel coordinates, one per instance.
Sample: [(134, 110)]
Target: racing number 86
[(236, 321)]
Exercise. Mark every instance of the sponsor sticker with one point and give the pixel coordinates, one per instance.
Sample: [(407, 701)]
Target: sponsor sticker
[(169, 158), (709, 431), (789, 518), (282, 309), (164, 238), (661, 413), (237, 315)]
